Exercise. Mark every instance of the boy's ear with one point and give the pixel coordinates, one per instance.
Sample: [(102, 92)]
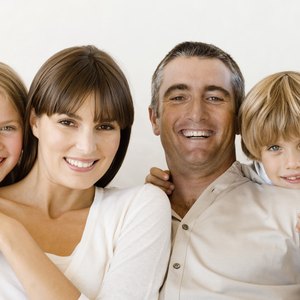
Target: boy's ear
[(155, 121), (34, 123)]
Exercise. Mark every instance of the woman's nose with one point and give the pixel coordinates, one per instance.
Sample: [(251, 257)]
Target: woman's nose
[(86, 142)]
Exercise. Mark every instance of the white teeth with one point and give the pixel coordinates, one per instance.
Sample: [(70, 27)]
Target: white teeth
[(293, 177), (78, 163), (196, 133)]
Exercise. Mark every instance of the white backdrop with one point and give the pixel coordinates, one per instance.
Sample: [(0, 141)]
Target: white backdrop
[(261, 35)]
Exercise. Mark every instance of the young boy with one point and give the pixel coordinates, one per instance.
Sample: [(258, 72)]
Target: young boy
[(270, 128)]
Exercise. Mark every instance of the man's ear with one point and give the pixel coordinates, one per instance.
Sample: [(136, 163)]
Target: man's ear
[(34, 123), (155, 121)]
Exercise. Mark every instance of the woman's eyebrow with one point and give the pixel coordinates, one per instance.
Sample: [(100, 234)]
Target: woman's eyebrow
[(72, 115)]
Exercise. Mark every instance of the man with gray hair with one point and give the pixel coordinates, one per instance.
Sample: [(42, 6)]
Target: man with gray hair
[(233, 236)]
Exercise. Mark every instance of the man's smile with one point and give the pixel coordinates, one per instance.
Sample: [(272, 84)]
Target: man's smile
[(196, 133)]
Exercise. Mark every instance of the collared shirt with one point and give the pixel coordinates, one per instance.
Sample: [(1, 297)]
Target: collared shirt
[(238, 241)]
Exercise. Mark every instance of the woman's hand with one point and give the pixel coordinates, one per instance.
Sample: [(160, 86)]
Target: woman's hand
[(161, 179)]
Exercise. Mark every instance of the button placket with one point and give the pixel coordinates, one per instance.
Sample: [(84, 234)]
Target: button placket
[(176, 265), (185, 226)]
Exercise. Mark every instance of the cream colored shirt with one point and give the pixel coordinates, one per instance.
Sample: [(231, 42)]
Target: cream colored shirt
[(238, 241), (124, 250)]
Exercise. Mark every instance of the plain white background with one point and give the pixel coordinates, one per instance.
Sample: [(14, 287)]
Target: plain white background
[(261, 35)]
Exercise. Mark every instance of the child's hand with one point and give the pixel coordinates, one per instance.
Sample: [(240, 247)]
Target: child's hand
[(298, 223), (161, 179)]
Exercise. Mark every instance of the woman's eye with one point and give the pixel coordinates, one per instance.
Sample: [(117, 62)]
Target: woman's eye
[(66, 122), (106, 127), (274, 148)]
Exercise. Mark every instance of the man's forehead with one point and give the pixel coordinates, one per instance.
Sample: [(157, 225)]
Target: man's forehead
[(196, 71)]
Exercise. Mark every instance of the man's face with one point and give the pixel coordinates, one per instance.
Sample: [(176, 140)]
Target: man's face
[(196, 119)]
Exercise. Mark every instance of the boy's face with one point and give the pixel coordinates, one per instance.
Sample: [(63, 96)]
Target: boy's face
[(281, 161)]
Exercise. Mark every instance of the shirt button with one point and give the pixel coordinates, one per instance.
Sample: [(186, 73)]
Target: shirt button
[(176, 266), (185, 226)]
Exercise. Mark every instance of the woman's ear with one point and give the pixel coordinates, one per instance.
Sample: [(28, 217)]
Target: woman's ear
[(34, 123), (155, 121)]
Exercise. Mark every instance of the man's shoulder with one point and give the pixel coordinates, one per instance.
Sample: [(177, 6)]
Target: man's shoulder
[(248, 184)]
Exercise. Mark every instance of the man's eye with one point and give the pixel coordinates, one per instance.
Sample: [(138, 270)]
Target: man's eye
[(274, 148), (177, 98), (214, 99)]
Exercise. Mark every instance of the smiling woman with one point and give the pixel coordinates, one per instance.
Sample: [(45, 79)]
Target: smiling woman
[(60, 221)]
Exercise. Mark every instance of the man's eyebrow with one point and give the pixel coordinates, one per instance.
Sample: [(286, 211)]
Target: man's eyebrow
[(211, 88), (180, 86)]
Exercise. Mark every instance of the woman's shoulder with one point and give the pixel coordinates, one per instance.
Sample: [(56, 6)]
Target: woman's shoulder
[(140, 196), (132, 191)]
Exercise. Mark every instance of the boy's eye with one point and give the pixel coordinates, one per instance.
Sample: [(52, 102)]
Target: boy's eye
[(274, 148)]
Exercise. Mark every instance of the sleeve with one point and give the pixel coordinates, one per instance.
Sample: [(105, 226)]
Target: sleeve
[(138, 266)]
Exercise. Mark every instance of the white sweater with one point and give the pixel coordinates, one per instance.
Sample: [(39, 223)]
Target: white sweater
[(124, 250)]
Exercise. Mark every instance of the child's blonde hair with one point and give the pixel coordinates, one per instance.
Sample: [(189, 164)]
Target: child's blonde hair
[(271, 110)]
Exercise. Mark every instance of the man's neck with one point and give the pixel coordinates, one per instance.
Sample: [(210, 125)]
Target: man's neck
[(186, 193), (189, 187)]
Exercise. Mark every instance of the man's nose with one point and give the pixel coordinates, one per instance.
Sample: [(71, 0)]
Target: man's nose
[(197, 110)]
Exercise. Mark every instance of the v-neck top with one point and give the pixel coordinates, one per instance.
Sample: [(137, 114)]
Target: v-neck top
[(124, 249)]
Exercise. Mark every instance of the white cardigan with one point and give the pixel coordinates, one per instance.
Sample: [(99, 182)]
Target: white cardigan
[(124, 250)]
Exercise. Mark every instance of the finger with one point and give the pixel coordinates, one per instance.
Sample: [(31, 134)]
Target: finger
[(159, 173)]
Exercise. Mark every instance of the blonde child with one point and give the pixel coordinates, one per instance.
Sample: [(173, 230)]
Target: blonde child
[(270, 128), (13, 97)]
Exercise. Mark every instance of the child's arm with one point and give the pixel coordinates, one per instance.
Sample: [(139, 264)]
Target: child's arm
[(38, 275), (161, 179)]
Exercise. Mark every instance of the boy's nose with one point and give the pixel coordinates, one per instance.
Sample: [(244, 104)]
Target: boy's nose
[(293, 160)]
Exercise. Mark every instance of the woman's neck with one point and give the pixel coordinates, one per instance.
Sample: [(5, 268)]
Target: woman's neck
[(52, 199)]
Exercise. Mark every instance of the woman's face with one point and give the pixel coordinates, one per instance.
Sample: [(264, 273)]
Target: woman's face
[(73, 150), (11, 136)]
